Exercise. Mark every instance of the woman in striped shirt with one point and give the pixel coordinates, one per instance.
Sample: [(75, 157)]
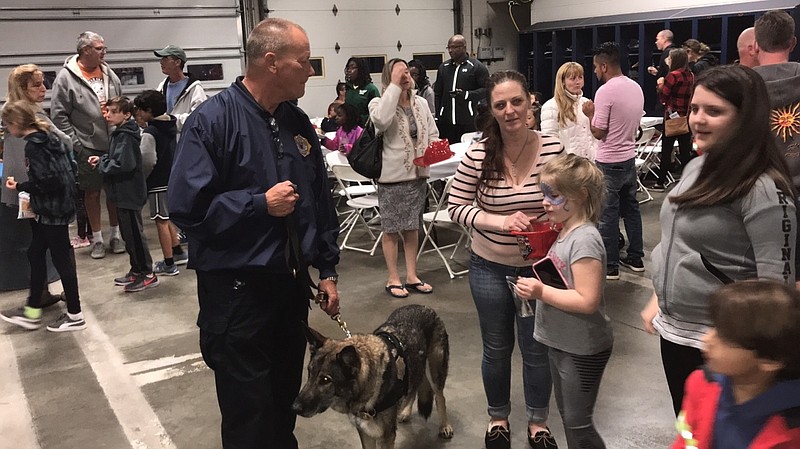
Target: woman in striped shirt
[(496, 191)]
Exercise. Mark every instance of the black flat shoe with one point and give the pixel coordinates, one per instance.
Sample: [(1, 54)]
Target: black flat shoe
[(543, 439), (498, 437)]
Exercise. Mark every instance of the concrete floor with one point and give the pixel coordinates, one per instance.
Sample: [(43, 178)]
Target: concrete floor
[(135, 379)]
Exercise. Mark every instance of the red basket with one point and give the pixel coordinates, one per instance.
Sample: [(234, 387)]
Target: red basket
[(535, 244), (437, 151)]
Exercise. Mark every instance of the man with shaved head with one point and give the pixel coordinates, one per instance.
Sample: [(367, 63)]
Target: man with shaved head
[(460, 85), (746, 45), (249, 188)]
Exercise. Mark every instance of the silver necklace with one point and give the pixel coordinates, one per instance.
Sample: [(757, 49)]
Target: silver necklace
[(514, 162)]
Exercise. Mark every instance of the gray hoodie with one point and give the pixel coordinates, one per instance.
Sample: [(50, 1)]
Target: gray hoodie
[(75, 107), (783, 86), (703, 248)]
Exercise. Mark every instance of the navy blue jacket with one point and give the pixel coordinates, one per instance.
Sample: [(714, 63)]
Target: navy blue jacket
[(225, 162)]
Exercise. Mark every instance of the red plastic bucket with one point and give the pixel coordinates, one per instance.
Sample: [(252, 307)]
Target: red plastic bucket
[(535, 244)]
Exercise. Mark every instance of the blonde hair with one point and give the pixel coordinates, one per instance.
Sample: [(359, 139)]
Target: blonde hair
[(23, 114), (18, 82), (565, 103), (386, 74), (578, 178)]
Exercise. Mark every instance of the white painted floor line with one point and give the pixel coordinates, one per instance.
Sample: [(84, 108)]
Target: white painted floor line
[(16, 424), (138, 420), (149, 365), (154, 376)]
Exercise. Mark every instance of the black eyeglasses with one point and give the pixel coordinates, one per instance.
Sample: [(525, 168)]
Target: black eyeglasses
[(276, 135)]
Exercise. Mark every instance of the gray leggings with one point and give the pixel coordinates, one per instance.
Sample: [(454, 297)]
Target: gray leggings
[(576, 380)]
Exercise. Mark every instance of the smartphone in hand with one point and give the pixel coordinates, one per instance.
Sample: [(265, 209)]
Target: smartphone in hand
[(547, 272)]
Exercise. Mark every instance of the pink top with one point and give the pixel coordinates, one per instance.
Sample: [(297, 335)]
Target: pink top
[(343, 140), (497, 201), (618, 108)]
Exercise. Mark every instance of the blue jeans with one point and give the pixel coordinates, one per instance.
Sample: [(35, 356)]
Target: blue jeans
[(497, 313), (620, 180)]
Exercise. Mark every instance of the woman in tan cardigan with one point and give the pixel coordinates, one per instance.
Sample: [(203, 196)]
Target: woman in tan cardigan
[(408, 128)]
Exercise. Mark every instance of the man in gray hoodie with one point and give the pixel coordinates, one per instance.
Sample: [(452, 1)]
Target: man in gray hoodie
[(80, 92), (775, 40)]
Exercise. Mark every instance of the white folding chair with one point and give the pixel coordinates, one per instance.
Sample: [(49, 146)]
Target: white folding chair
[(344, 191), (361, 197), (440, 218), (645, 156)]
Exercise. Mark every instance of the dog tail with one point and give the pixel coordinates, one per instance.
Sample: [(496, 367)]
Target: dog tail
[(425, 399)]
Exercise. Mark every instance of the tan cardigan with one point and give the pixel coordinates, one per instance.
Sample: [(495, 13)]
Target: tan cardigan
[(399, 150)]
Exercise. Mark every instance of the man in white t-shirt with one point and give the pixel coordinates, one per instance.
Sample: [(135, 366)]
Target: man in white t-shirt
[(614, 116)]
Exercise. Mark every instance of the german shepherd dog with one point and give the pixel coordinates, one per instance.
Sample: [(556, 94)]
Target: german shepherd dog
[(374, 378)]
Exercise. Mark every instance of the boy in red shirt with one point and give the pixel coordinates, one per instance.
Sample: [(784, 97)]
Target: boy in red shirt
[(748, 397)]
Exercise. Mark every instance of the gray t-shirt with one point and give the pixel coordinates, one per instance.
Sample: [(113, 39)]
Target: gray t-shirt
[(575, 333)]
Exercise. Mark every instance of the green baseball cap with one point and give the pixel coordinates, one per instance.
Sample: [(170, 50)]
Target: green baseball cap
[(171, 50)]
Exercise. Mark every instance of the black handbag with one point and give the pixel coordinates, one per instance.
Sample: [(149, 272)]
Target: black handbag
[(366, 156)]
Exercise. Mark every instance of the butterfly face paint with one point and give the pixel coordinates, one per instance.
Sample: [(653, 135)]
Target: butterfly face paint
[(552, 195)]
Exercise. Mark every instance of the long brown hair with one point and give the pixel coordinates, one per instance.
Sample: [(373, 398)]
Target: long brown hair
[(492, 167), (732, 168)]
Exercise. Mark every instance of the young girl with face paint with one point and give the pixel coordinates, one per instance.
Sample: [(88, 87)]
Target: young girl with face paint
[(572, 322)]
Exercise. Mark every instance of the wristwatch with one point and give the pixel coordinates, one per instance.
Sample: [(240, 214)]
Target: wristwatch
[(334, 279)]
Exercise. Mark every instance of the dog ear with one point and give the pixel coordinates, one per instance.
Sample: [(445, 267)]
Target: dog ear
[(348, 358), (315, 339)]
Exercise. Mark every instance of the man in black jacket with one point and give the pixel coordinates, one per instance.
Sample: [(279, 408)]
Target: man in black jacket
[(250, 189), (460, 85)]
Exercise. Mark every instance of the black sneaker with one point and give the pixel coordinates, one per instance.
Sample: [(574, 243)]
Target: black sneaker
[(128, 279), (612, 274), (66, 324), (143, 281), (498, 437), (543, 439), (632, 264)]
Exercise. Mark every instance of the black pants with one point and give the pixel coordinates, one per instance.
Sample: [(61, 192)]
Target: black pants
[(678, 361), (667, 147), (56, 239), (84, 228), (251, 336), (130, 226), (453, 132)]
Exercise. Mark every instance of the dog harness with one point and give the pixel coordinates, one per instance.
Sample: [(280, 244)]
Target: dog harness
[(395, 375)]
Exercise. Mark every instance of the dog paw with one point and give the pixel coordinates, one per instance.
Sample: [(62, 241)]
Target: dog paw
[(446, 432)]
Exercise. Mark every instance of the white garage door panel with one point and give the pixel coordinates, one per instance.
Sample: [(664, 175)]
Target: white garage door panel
[(61, 37), (364, 28), (106, 4)]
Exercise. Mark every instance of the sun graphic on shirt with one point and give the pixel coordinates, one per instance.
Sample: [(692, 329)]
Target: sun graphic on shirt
[(786, 121)]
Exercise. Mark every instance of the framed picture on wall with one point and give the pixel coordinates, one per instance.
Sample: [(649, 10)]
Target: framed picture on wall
[(431, 61), (49, 78), (374, 62), (319, 67), (206, 72), (130, 76)]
